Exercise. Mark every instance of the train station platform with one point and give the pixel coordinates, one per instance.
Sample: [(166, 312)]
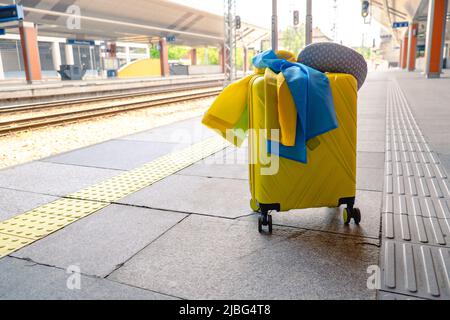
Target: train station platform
[(22, 93), (163, 214)]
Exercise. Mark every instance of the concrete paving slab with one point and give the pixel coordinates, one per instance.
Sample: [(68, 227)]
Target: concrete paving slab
[(372, 108), (372, 114), (371, 160), (371, 135), (368, 101), (371, 146), (373, 91), (226, 171), (213, 258), (209, 196), (230, 163), (369, 179), (102, 241), (13, 203), (330, 219), (23, 280), (372, 124), (52, 178), (445, 161), (368, 105), (186, 132), (116, 154)]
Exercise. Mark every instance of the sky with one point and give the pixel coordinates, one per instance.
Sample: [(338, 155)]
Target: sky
[(350, 24)]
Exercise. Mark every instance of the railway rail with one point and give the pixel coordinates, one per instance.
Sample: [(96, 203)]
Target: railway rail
[(169, 95), (27, 107)]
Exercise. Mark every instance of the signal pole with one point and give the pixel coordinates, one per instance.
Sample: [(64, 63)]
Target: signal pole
[(229, 40), (308, 26), (335, 7), (274, 26)]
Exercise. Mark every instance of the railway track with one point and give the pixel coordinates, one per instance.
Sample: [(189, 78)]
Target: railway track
[(69, 116), (20, 108)]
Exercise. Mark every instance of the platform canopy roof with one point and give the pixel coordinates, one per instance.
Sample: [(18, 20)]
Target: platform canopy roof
[(389, 11), (135, 21)]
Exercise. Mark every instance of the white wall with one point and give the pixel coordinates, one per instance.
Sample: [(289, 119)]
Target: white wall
[(199, 69)]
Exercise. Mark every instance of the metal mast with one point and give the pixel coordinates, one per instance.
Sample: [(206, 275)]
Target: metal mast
[(308, 26), (229, 47), (335, 22), (274, 25)]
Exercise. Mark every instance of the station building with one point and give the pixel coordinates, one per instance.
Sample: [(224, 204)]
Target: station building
[(102, 36), (54, 52), (417, 34)]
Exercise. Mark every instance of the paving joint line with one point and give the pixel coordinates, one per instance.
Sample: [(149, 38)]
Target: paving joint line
[(33, 225), (369, 190), (119, 266), (209, 177), (403, 295), (83, 166), (240, 218), (346, 235), (92, 276), (145, 289), (33, 192)]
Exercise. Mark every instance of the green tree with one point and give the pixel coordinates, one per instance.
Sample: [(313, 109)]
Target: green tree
[(154, 52), (368, 53), (178, 52), (293, 38), (208, 56), (175, 52)]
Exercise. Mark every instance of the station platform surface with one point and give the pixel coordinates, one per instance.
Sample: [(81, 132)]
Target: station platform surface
[(21, 91), (9, 85), (144, 217)]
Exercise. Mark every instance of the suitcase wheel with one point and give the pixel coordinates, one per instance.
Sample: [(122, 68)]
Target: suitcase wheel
[(265, 220), (350, 214), (357, 215)]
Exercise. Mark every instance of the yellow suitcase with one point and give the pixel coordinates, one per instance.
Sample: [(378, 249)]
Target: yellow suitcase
[(329, 177)]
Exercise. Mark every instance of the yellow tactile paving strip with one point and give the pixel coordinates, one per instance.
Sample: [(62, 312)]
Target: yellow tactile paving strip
[(131, 181), (49, 218), (10, 244), (40, 222)]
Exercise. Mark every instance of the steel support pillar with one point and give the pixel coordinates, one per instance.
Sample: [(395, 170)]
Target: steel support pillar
[(30, 50), (164, 57), (435, 38), (400, 55), (193, 56), (222, 58), (2, 73), (412, 45), (405, 52)]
